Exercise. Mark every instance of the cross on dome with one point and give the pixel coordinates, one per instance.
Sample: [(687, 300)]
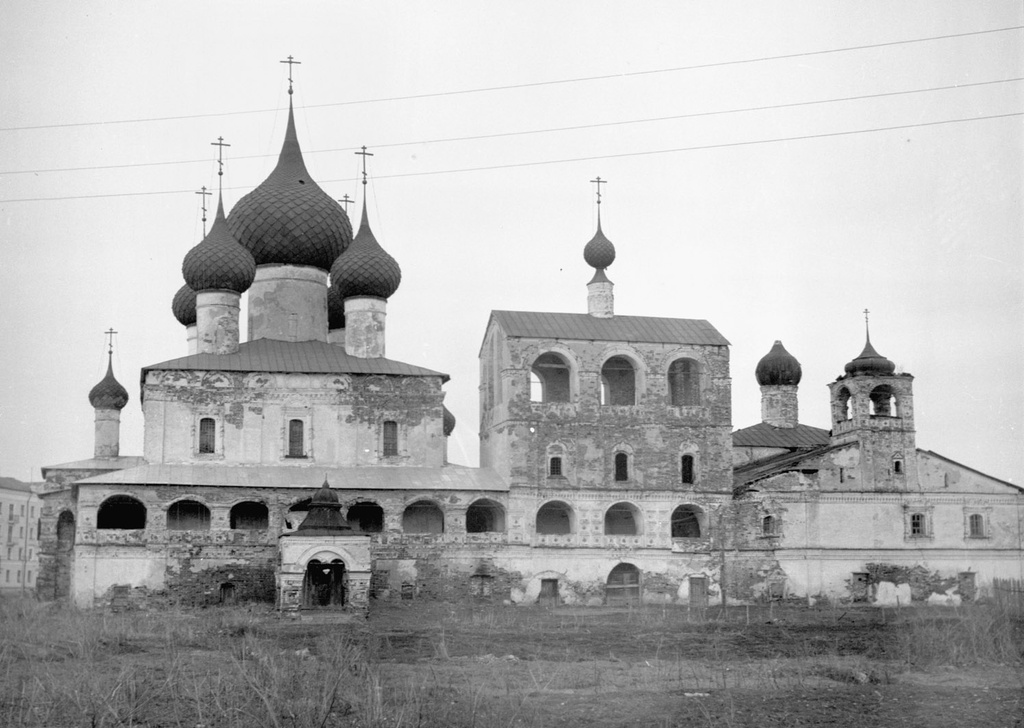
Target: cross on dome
[(291, 62)]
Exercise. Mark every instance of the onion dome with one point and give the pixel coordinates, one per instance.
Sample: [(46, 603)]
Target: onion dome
[(108, 394), (599, 252), (324, 512), (335, 310), (365, 269), (288, 219), (219, 261), (870, 362), (778, 366), (184, 306), (449, 422)]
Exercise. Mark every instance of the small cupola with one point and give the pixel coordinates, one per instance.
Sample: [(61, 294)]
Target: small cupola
[(778, 367), (219, 262), (108, 398), (183, 306), (869, 362), (599, 253), (325, 513), (778, 373), (108, 393)]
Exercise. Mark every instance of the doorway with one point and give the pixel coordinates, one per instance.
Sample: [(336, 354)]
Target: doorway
[(325, 584), (699, 592), (623, 587), (548, 593)]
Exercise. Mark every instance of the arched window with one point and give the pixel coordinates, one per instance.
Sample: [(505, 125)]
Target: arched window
[(621, 466), (768, 526), (555, 467), (684, 382), (686, 471), (367, 517), (423, 517), (883, 401), (188, 515), (618, 382), (897, 465), (485, 516), (554, 518), (390, 439), (686, 522), (207, 435), (976, 524), (121, 512), (65, 531), (549, 379), (918, 525), (622, 519), (296, 439), (249, 516), (844, 407)]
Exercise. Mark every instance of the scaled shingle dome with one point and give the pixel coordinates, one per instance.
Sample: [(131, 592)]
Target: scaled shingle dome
[(449, 422), (365, 269), (288, 219), (219, 261), (778, 366), (599, 252), (335, 310), (870, 362), (183, 306), (108, 394)]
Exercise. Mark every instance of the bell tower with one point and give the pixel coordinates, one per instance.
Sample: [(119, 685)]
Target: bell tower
[(873, 406)]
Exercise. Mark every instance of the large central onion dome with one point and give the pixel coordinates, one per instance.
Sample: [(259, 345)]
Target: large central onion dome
[(288, 219), (365, 269), (777, 367), (219, 261), (870, 362), (599, 252), (183, 306), (108, 394)]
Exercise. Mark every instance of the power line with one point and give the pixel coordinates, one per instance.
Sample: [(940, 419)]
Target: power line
[(534, 84), (578, 127), (723, 145)]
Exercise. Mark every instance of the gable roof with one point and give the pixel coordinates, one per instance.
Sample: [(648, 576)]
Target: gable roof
[(584, 327), (764, 435), (299, 357)]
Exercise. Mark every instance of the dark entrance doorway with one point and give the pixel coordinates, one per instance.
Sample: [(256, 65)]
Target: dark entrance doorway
[(548, 593), (325, 584), (623, 588)]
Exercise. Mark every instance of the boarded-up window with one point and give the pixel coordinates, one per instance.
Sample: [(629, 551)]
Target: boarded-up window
[(686, 469), (188, 515), (296, 439), (207, 435), (390, 439), (684, 382)]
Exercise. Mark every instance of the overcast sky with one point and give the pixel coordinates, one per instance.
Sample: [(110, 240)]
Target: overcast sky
[(773, 168)]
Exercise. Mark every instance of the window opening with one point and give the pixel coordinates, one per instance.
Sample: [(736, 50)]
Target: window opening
[(249, 516), (423, 517), (325, 584), (367, 517), (917, 524), (485, 516), (844, 405), (684, 382), (188, 515), (622, 519), (618, 382), (207, 435), (686, 469), (227, 593), (548, 596), (390, 438), (555, 467), (976, 524), (554, 518), (549, 379), (686, 522), (621, 466), (296, 439), (883, 401), (897, 467), (768, 526), (121, 512), (65, 531)]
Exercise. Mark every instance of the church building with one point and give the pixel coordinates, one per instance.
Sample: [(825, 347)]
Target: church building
[(301, 466)]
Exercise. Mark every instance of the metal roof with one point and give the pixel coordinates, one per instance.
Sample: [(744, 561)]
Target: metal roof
[(582, 326), (764, 435), (300, 357), (449, 477)]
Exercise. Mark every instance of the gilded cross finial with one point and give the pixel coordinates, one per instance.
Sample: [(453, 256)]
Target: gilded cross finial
[(110, 344), (346, 201), (364, 154), (202, 191), (220, 162), (291, 62)]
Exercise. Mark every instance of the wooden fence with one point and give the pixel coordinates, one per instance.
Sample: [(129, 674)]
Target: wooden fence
[(1009, 593)]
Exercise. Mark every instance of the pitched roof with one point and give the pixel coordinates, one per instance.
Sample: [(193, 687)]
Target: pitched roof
[(781, 463), (764, 435), (449, 477), (582, 326), (301, 357)]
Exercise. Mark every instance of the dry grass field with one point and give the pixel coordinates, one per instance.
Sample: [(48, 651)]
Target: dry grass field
[(432, 665)]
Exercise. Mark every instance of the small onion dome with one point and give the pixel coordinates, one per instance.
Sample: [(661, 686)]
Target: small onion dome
[(599, 252), (449, 422), (365, 269), (219, 261), (324, 512), (108, 394), (870, 362), (183, 306), (335, 310), (288, 219), (778, 366)]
